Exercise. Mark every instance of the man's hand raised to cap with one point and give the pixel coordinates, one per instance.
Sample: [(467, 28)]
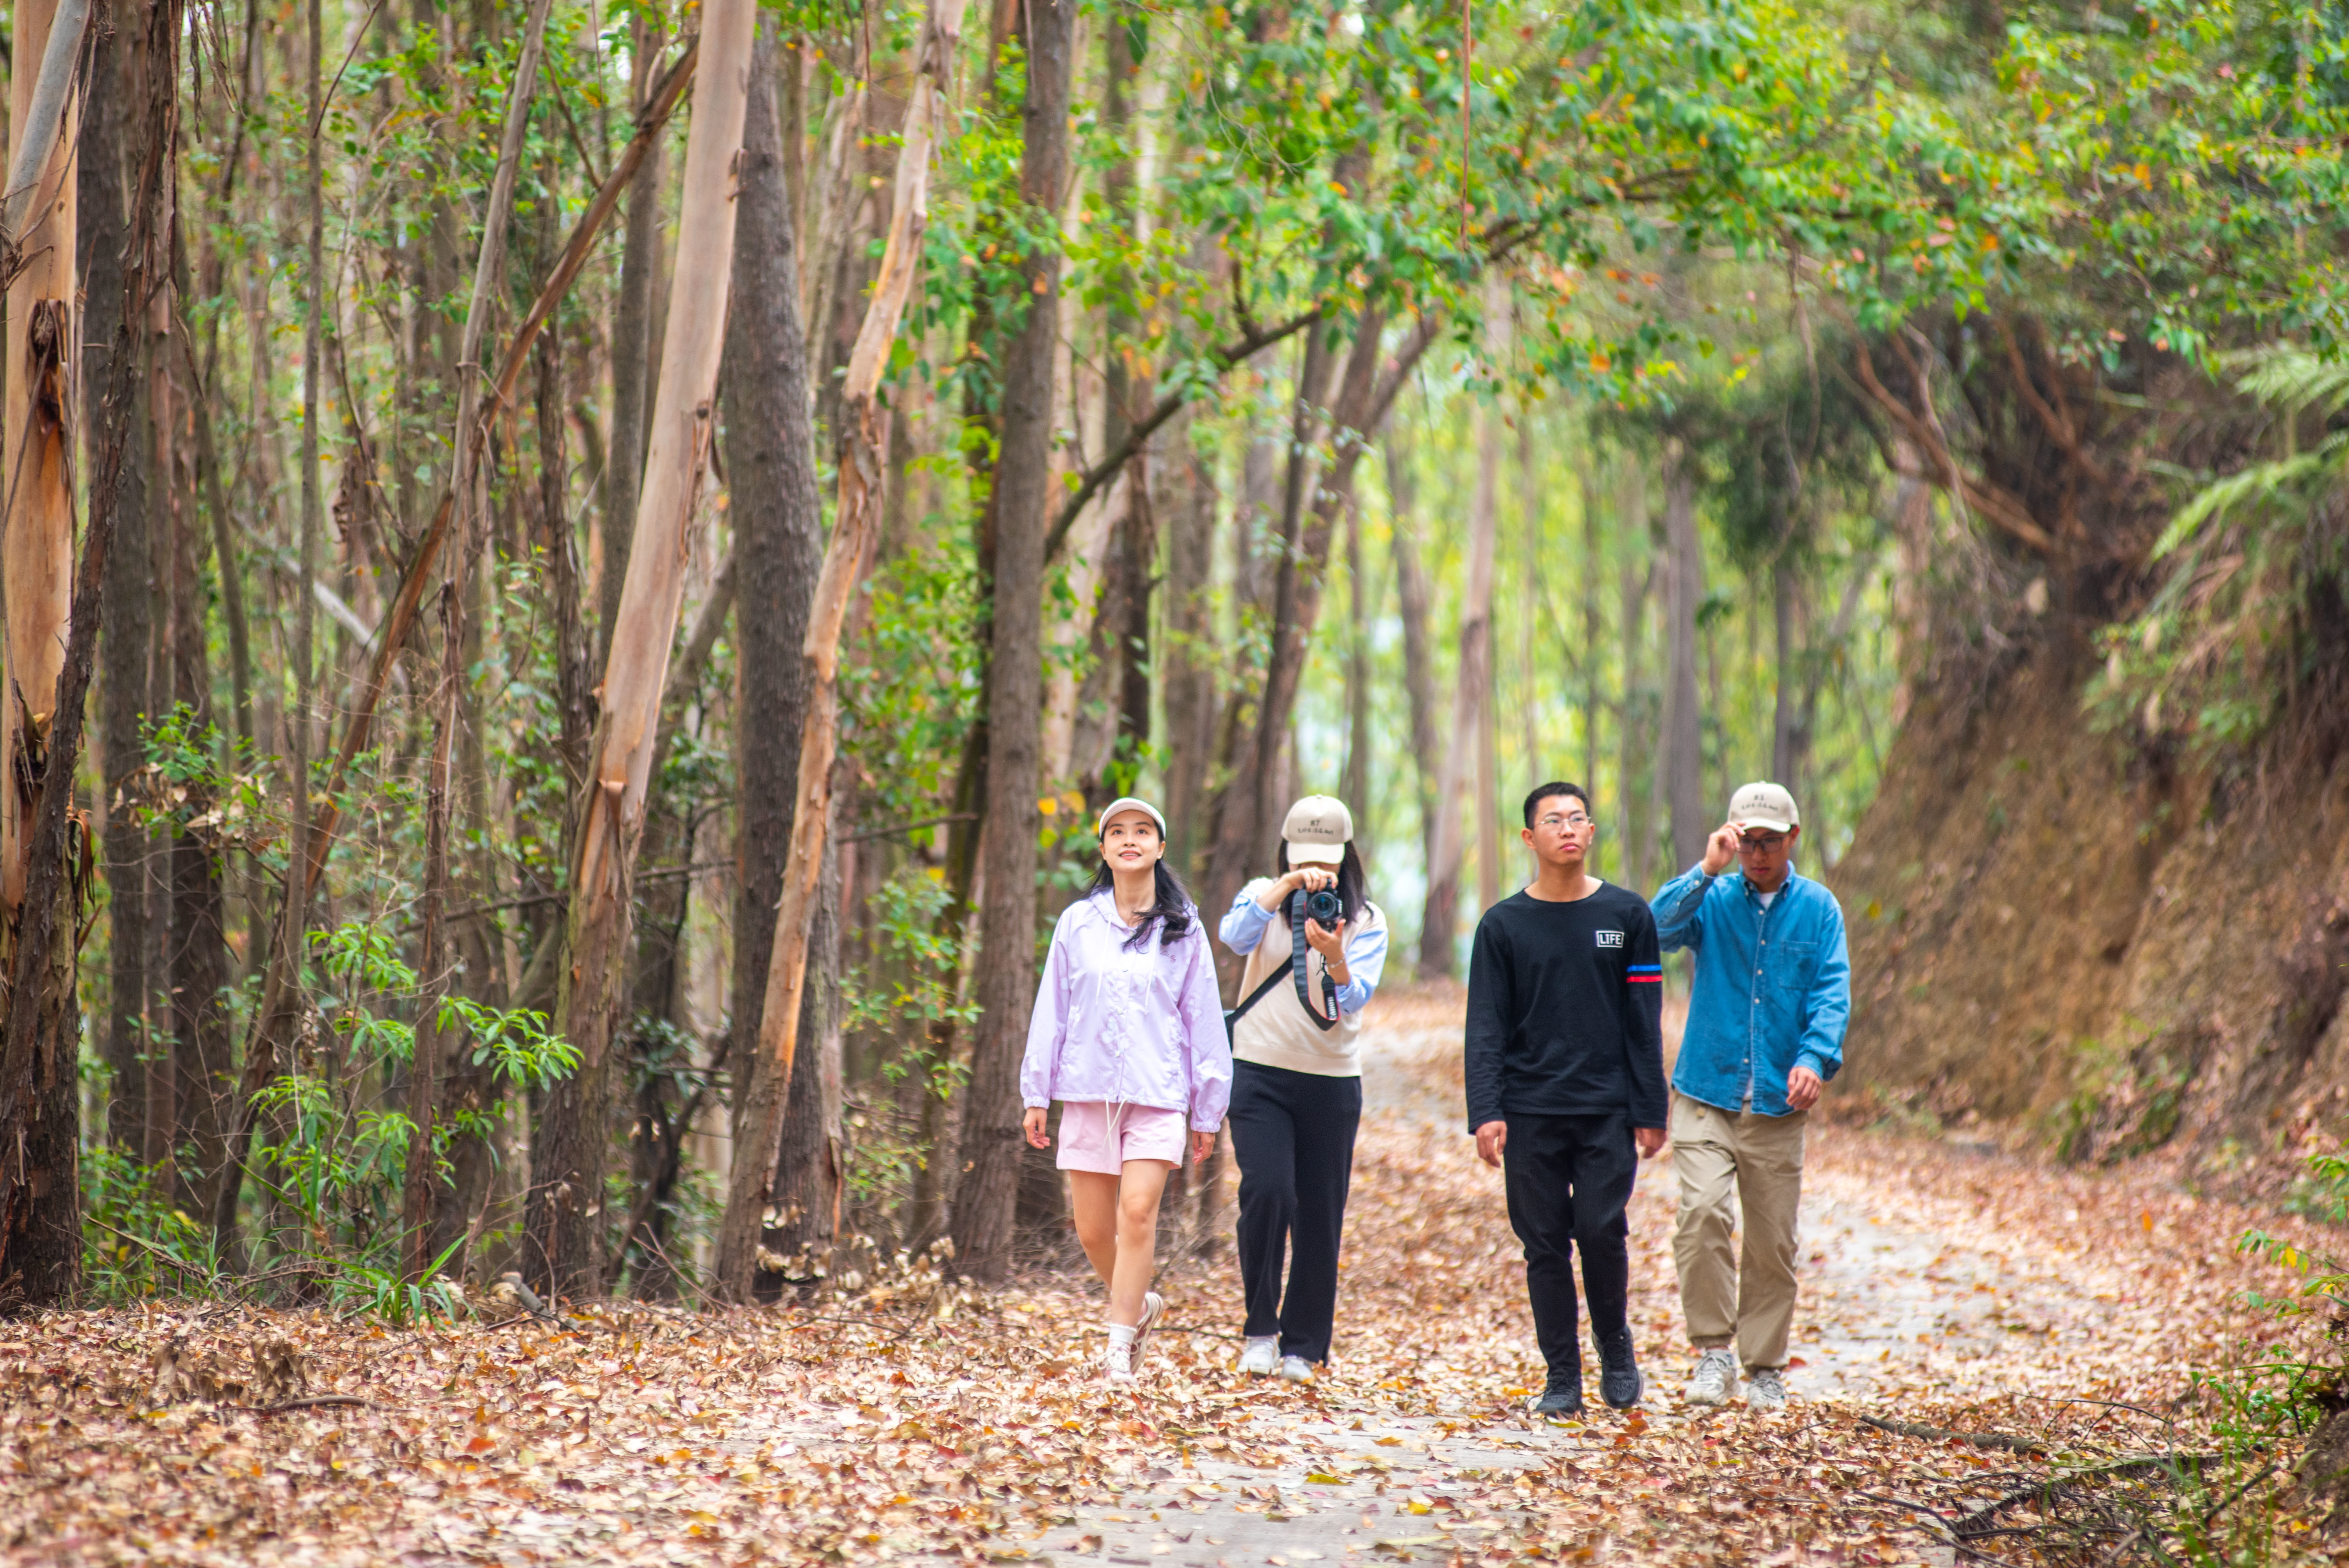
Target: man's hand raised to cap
[(1721, 850)]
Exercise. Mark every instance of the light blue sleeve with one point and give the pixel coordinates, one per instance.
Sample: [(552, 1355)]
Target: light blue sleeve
[(1827, 1011), (1366, 961), (1680, 910), (1244, 923)]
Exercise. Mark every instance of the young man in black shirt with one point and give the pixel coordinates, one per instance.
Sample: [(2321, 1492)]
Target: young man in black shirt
[(1566, 1080)]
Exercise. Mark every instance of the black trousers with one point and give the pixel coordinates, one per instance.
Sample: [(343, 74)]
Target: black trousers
[(1293, 1134), (1568, 1179)]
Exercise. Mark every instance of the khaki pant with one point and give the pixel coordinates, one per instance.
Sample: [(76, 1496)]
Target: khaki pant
[(1750, 1299)]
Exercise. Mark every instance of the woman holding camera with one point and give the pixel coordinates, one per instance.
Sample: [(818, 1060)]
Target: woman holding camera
[(1128, 1035), (1296, 1077)]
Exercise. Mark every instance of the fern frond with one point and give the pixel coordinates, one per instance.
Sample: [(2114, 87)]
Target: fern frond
[(2287, 376), (2252, 486)]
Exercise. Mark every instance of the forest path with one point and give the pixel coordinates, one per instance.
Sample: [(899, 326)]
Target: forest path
[(1892, 1301), (1941, 1284)]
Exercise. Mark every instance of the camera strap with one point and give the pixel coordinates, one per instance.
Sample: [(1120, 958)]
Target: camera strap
[(1299, 948), (1232, 1019)]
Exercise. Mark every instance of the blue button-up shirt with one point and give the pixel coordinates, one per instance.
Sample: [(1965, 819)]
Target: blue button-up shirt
[(1773, 986)]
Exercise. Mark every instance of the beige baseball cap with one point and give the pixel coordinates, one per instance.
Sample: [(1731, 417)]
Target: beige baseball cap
[(1317, 831), (1764, 805)]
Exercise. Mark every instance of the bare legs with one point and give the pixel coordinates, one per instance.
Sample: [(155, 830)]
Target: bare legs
[(1117, 1222)]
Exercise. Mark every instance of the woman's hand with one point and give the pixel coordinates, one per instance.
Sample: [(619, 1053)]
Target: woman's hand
[(1203, 1144), (1032, 1124), (1330, 941), (1302, 880)]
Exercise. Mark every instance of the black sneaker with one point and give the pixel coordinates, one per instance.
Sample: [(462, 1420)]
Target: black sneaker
[(1563, 1396), (1620, 1382)]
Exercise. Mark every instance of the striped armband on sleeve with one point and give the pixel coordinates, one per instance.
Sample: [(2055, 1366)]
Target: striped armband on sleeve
[(1651, 973)]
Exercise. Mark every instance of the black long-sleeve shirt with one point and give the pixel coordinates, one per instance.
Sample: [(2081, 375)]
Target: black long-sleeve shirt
[(1566, 1010)]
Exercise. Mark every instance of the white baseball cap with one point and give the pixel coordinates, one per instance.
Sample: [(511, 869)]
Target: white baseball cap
[(1764, 805), (1128, 802), (1317, 830)]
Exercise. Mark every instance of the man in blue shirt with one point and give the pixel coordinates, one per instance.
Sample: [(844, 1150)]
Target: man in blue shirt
[(1765, 1033)]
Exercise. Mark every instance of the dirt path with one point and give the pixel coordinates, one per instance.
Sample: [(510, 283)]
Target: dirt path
[(1902, 1294), (1939, 1285)]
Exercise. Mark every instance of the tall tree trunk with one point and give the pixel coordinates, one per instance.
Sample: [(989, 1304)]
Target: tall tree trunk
[(1418, 661), (1252, 808), (126, 671), (1533, 767), (199, 962), (1635, 776), (632, 325), (1593, 644), (43, 861), (1186, 499), (760, 1144), (1787, 739), (778, 514), (569, 1157), (1471, 696), (1355, 783), (274, 1014), (991, 1142), (1683, 737), (438, 1036)]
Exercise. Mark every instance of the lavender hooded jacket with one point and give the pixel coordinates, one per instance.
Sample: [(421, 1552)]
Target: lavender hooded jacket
[(1139, 1026)]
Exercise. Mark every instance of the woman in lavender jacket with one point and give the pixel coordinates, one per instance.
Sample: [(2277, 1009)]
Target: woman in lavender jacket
[(1128, 1035)]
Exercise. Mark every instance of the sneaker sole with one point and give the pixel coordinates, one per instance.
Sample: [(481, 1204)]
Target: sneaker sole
[(1708, 1401)]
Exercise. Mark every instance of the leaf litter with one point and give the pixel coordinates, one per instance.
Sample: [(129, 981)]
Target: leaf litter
[(1946, 1294)]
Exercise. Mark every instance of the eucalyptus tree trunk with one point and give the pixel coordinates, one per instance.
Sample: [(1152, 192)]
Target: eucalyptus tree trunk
[(1186, 499), (1251, 808), (49, 647), (1471, 697), (1354, 784), (562, 1221), (765, 1201), (990, 1143), (640, 256), (433, 1039), (1683, 732), (1418, 661), (127, 678), (778, 516)]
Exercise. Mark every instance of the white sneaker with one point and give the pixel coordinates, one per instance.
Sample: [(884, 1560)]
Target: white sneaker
[(1295, 1369), (1715, 1379), (1153, 1307), (1765, 1389), (1117, 1363), (1261, 1356)]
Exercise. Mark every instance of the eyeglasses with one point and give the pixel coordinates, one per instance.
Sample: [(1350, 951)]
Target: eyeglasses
[(1769, 843), (1553, 820)]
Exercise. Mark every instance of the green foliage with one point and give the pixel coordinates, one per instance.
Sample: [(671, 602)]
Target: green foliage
[(2223, 640)]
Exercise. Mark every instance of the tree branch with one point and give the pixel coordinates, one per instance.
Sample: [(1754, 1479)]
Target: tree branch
[(1254, 341)]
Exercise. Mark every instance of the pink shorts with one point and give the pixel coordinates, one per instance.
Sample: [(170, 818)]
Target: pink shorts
[(1088, 1140)]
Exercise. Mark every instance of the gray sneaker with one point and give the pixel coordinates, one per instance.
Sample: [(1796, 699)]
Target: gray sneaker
[(1295, 1369), (1261, 1356), (1765, 1389), (1715, 1379)]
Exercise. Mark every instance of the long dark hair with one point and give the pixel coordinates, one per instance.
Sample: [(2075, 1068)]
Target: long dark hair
[(1170, 911), (1353, 887)]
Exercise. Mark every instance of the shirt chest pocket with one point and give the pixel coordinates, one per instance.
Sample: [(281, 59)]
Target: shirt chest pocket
[(1792, 964)]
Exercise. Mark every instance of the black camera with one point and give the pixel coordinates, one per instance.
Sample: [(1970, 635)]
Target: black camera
[(1323, 907)]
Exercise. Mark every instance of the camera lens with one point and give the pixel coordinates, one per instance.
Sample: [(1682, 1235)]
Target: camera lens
[(1322, 906)]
